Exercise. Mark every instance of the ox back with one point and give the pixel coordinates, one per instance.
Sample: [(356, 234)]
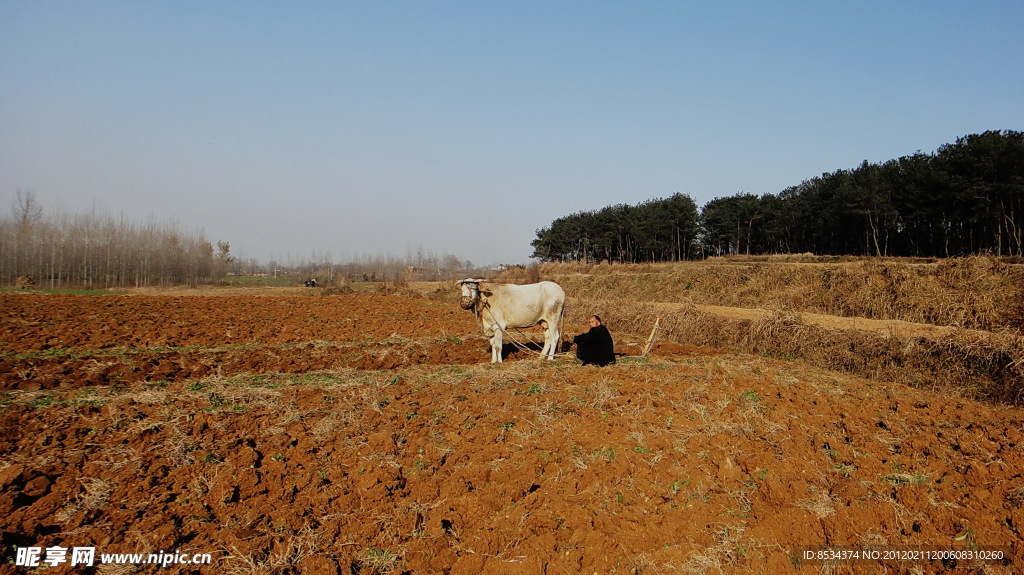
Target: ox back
[(502, 306)]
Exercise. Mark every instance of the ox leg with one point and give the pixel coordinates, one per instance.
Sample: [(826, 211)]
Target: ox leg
[(496, 346), (550, 340)]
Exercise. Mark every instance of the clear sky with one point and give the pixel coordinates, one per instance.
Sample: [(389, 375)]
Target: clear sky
[(364, 128)]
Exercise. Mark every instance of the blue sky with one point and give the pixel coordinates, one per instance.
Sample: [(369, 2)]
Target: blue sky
[(293, 129)]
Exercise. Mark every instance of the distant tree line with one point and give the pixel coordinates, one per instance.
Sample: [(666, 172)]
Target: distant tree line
[(657, 230), (99, 251), (966, 198), (93, 250)]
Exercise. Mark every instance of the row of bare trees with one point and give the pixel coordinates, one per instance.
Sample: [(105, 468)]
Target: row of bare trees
[(421, 265), (93, 250), (98, 251)]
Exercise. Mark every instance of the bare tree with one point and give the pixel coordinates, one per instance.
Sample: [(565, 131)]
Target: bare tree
[(95, 250)]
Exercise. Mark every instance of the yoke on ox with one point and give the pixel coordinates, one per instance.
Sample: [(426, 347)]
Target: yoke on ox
[(498, 307)]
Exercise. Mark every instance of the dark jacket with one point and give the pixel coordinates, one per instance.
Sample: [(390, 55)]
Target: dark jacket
[(595, 347)]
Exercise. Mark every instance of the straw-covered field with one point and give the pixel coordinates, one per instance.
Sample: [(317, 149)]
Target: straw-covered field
[(951, 325), (787, 404)]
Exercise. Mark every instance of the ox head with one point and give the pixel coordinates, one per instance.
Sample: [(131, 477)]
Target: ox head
[(471, 288)]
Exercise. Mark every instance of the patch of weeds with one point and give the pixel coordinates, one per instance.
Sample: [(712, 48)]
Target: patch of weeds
[(411, 415), (197, 386), (678, 486), (899, 479), (968, 535), (844, 469), (380, 560), (216, 400), (278, 456), (52, 353), (507, 426), (606, 454), (642, 449), (43, 401), (90, 402), (6, 398), (212, 457), (552, 408), (534, 389), (751, 397), (55, 352)]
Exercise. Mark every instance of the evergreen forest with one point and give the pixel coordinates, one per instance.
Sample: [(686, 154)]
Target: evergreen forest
[(965, 198)]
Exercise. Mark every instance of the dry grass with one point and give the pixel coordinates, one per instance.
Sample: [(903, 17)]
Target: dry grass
[(821, 504), (94, 495), (716, 559), (979, 293), (519, 275), (286, 554)]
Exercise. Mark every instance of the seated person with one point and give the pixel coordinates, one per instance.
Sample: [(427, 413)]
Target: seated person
[(595, 346)]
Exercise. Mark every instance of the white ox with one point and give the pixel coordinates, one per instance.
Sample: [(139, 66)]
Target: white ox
[(501, 306)]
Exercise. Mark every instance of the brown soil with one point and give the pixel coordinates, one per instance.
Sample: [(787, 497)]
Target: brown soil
[(365, 434)]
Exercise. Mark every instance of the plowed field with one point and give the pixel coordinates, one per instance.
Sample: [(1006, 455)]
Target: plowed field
[(366, 434)]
